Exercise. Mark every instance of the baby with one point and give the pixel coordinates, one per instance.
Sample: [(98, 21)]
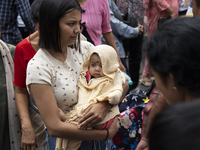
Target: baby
[(100, 80)]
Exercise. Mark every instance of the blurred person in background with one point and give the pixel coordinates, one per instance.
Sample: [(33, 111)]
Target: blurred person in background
[(9, 11)]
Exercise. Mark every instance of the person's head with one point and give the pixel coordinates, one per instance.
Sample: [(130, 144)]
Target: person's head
[(0, 30), (176, 127), (174, 56), (95, 67), (196, 7), (35, 6), (103, 59), (59, 24)]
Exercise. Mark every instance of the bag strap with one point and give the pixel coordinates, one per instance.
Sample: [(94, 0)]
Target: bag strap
[(150, 89), (86, 34)]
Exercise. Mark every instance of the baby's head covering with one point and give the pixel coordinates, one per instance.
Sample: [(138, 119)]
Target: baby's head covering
[(108, 57)]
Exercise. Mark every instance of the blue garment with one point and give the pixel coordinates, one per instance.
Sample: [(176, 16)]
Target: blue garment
[(120, 30), (9, 10), (94, 145), (51, 141), (85, 145)]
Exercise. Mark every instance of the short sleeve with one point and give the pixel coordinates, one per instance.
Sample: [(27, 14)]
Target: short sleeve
[(162, 4), (105, 16), (87, 48), (38, 71), (23, 53)]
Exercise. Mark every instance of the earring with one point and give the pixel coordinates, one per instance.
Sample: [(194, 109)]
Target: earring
[(175, 88)]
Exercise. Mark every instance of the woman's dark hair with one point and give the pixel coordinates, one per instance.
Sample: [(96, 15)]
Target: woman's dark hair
[(0, 29), (35, 7), (50, 13), (176, 127), (174, 48)]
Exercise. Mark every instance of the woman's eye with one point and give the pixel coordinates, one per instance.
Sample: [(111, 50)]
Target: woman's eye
[(71, 24), (93, 65)]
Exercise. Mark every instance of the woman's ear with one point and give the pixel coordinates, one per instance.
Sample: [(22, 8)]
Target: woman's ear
[(172, 80)]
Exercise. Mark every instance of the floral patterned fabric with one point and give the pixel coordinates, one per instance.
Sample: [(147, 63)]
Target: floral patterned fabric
[(130, 120)]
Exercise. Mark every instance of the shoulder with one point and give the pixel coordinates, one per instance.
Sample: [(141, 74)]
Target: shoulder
[(40, 63), (39, 58), (86, 49), (23, 46)]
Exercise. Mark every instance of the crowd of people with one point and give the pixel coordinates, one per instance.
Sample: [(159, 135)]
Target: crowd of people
[(66, 80)]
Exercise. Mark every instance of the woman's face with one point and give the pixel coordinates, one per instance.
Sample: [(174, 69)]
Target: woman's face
[(171, 95), (69, 27)]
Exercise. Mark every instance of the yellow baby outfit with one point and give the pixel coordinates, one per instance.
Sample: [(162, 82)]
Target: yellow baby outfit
[(107, 88)]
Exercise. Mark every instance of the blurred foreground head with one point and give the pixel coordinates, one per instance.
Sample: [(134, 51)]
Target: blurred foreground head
[(173, 52)]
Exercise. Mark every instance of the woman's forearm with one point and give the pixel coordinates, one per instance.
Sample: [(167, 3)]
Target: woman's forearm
[(49, 112), (111, 41), (71, 131), (22, 104), (170, 11)]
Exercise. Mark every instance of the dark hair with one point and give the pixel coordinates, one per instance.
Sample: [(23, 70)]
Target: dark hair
[(198, 3), (35, 7), (0, 29), (50, 13), (176, 127), (174, 48)]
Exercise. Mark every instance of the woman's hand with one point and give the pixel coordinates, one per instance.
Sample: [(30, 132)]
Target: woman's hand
[(94, 114), (62, 115), (144, 143), (113, 128), (29, 139)]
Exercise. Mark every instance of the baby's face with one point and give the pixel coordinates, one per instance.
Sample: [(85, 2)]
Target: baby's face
[(95, 66)]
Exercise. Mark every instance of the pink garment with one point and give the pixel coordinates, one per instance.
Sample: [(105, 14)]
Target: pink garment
[(97, 18), (147, 69), (88, 76), (154, 14), (107, 124)]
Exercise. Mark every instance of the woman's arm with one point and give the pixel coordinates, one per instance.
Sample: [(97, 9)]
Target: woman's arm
[(28, 134), (97, 112), (49, 112), (165, 6), (170, 11), (157, 107)]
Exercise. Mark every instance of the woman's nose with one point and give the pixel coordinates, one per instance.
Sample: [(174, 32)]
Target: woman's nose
[(77, 29)]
